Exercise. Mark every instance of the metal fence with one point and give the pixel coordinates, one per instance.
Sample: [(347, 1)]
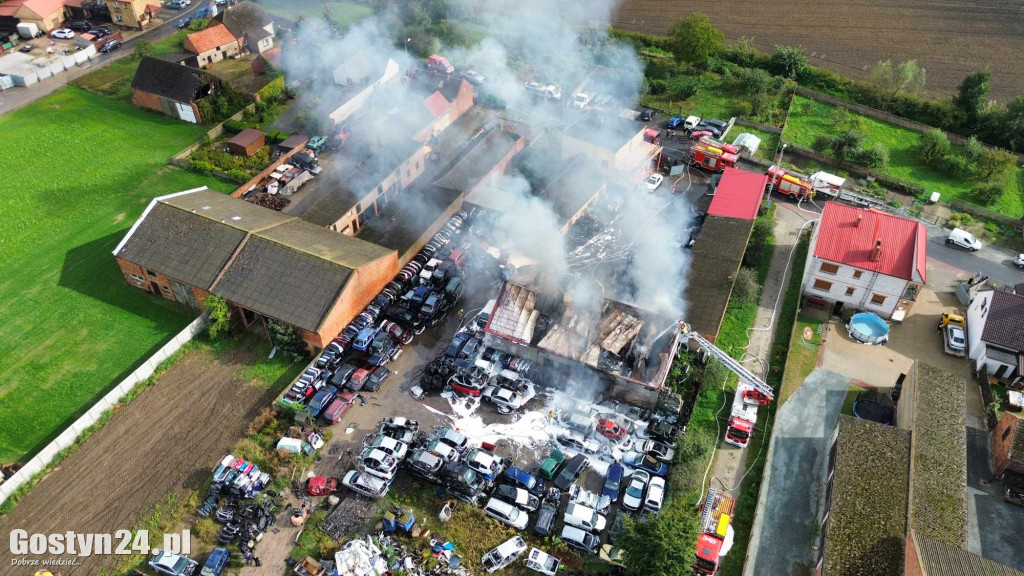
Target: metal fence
[(70, 435)]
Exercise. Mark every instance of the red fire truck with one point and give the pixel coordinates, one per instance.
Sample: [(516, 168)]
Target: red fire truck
[(711, 158), (724, 146), (715, 526), (796, 186)]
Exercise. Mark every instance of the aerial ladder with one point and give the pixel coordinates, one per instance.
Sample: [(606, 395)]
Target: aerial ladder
[(751, 393)]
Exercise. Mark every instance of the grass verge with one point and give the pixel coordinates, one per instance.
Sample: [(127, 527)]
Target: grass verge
[(746, 502), (72, 327), (114, 80), (803, 355)]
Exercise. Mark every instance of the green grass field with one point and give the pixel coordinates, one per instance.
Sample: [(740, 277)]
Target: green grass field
[(81, 171), (808, 118), (345, 13)]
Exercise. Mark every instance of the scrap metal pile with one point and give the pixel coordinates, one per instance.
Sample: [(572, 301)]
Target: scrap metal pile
[(234, 481)]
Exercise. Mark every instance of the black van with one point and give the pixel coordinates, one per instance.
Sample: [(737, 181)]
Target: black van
[(572, 471)]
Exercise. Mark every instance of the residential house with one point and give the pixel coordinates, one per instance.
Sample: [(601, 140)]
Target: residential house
[(250, 24), (47, 15), (443, 98), (622, 148), (359, 76), (267, 265), (866, 259), (133, 13), (487, 156), (213, 44), (995, 335), (172, 89)]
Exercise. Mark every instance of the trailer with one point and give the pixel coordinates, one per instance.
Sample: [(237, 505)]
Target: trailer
[(716, 534)]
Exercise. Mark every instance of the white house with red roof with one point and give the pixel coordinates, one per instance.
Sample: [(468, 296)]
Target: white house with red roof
[(866, 260)]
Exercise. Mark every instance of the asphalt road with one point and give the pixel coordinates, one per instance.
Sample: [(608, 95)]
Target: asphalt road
[(19, 96), (992, 261)]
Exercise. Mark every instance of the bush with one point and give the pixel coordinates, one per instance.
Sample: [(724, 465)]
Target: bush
[(743, 109), (972, 150), (761, 240), (683, 87), (745, 289), (199, 24), (987, 193), (657, 87), (788, 61), (934, 146), (846, 144), (287, 340), (219, 317), (874, 156), (822, 143), (276, 136), (235, 126)]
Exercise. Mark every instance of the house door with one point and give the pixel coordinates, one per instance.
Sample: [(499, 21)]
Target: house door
[(837, 310), (1000, 372), (154, 287), (184, 294)]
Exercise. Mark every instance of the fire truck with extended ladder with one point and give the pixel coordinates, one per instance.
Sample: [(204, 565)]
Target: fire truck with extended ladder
[(751, 393), (716, 534), (709, 157)]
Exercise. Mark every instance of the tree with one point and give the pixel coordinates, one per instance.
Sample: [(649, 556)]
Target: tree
[(846, 144), (874, 156), (972, 150), (934, 146), (972, 95), (694, 40), (987, 193), (788, 61), (219, 317), (661, 545), (822, 143), (287, 340), (995, 164), (889, 81), (683, 87), (761, 88)]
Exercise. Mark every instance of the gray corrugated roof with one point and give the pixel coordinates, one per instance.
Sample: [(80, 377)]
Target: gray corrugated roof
[(939, 559), (338, 248), (279, 282), (604, 129), (479, 160), (170, 80), (1004, 325), (180, 245), (578, 182), (223, 208)]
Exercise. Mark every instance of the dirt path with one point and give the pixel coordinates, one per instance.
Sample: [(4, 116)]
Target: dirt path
[(166, 440), (731, 462)]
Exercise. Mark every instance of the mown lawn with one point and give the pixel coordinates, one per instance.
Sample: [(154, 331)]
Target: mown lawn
[(808, 118), (803, 355), (115, 79), (344, 13), (769, 140), (83, 169)]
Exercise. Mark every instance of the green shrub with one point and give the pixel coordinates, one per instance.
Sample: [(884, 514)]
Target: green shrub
[(874, 156), (745, 289), (198, 24), (788, 61), (235, 126), (934, 146), (219, 317), (987, 193)]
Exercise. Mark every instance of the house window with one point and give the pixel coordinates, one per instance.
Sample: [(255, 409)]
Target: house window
[(1006, 433), (118, 18), (857, 273), (849, 290), (822, 285), (138, 278), (151, 274), (877, 299), (829, 268), (166, 289)]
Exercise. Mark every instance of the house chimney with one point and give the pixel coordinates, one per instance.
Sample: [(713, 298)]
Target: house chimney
[(876, 253), (860, 217)]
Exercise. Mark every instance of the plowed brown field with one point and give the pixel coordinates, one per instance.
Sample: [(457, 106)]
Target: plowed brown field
[(948, 38)]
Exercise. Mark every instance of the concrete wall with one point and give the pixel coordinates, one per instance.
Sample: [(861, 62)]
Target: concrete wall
[(976, 313), (71, 434), (843, 281)]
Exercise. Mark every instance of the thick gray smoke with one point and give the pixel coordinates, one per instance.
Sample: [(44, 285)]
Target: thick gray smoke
[(551, 42)]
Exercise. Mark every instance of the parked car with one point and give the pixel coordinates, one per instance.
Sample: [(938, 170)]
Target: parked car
[(365, 484), (613, 482), (63, 33), (456, 344), (450, 437), (470, 382), (358, 380), (963, 239), (517, 496), (581, 495), (1018, 260), (485, 462), (578, 444), (654, 181), (339, 406), (573, 470), (504, 554), (655, 495), (376, 379), (443, 450), (473, 77), (401, 422), (403, 435), (522, 479), (579, 539), (645, 462), (215, 562), (646, 115), (660, 450), (504, 399), (80, 25), (581, 100), (386, 444), (610, 429), (552, 465), (469, 353), (398, 333), (383, 350), (178, 4), (581, 516), (662, 430), (342, 375), (172, 564), (713, 125), (440, 64), (425, 464), (183, 23), (463, 481), (955, 338), (633, 498), (674, 122), (378, 463), (321, 400), (542, 562), (545, 518), (506, 514), (321, 485), (365, 337)]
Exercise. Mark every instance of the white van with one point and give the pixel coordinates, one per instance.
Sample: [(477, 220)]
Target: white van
[(505, 554), (581, 516), (963, 239)]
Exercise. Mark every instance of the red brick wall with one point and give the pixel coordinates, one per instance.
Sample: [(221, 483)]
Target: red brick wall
[(1002, 440), (911, 563), (129, 268), (146, 100), (362, 288)]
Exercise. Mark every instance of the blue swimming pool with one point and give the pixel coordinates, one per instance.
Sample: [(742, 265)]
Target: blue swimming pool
[(868, 328)]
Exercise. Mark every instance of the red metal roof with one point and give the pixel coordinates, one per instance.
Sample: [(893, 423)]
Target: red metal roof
[(842, 239), (738, 194), (436, 104)]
